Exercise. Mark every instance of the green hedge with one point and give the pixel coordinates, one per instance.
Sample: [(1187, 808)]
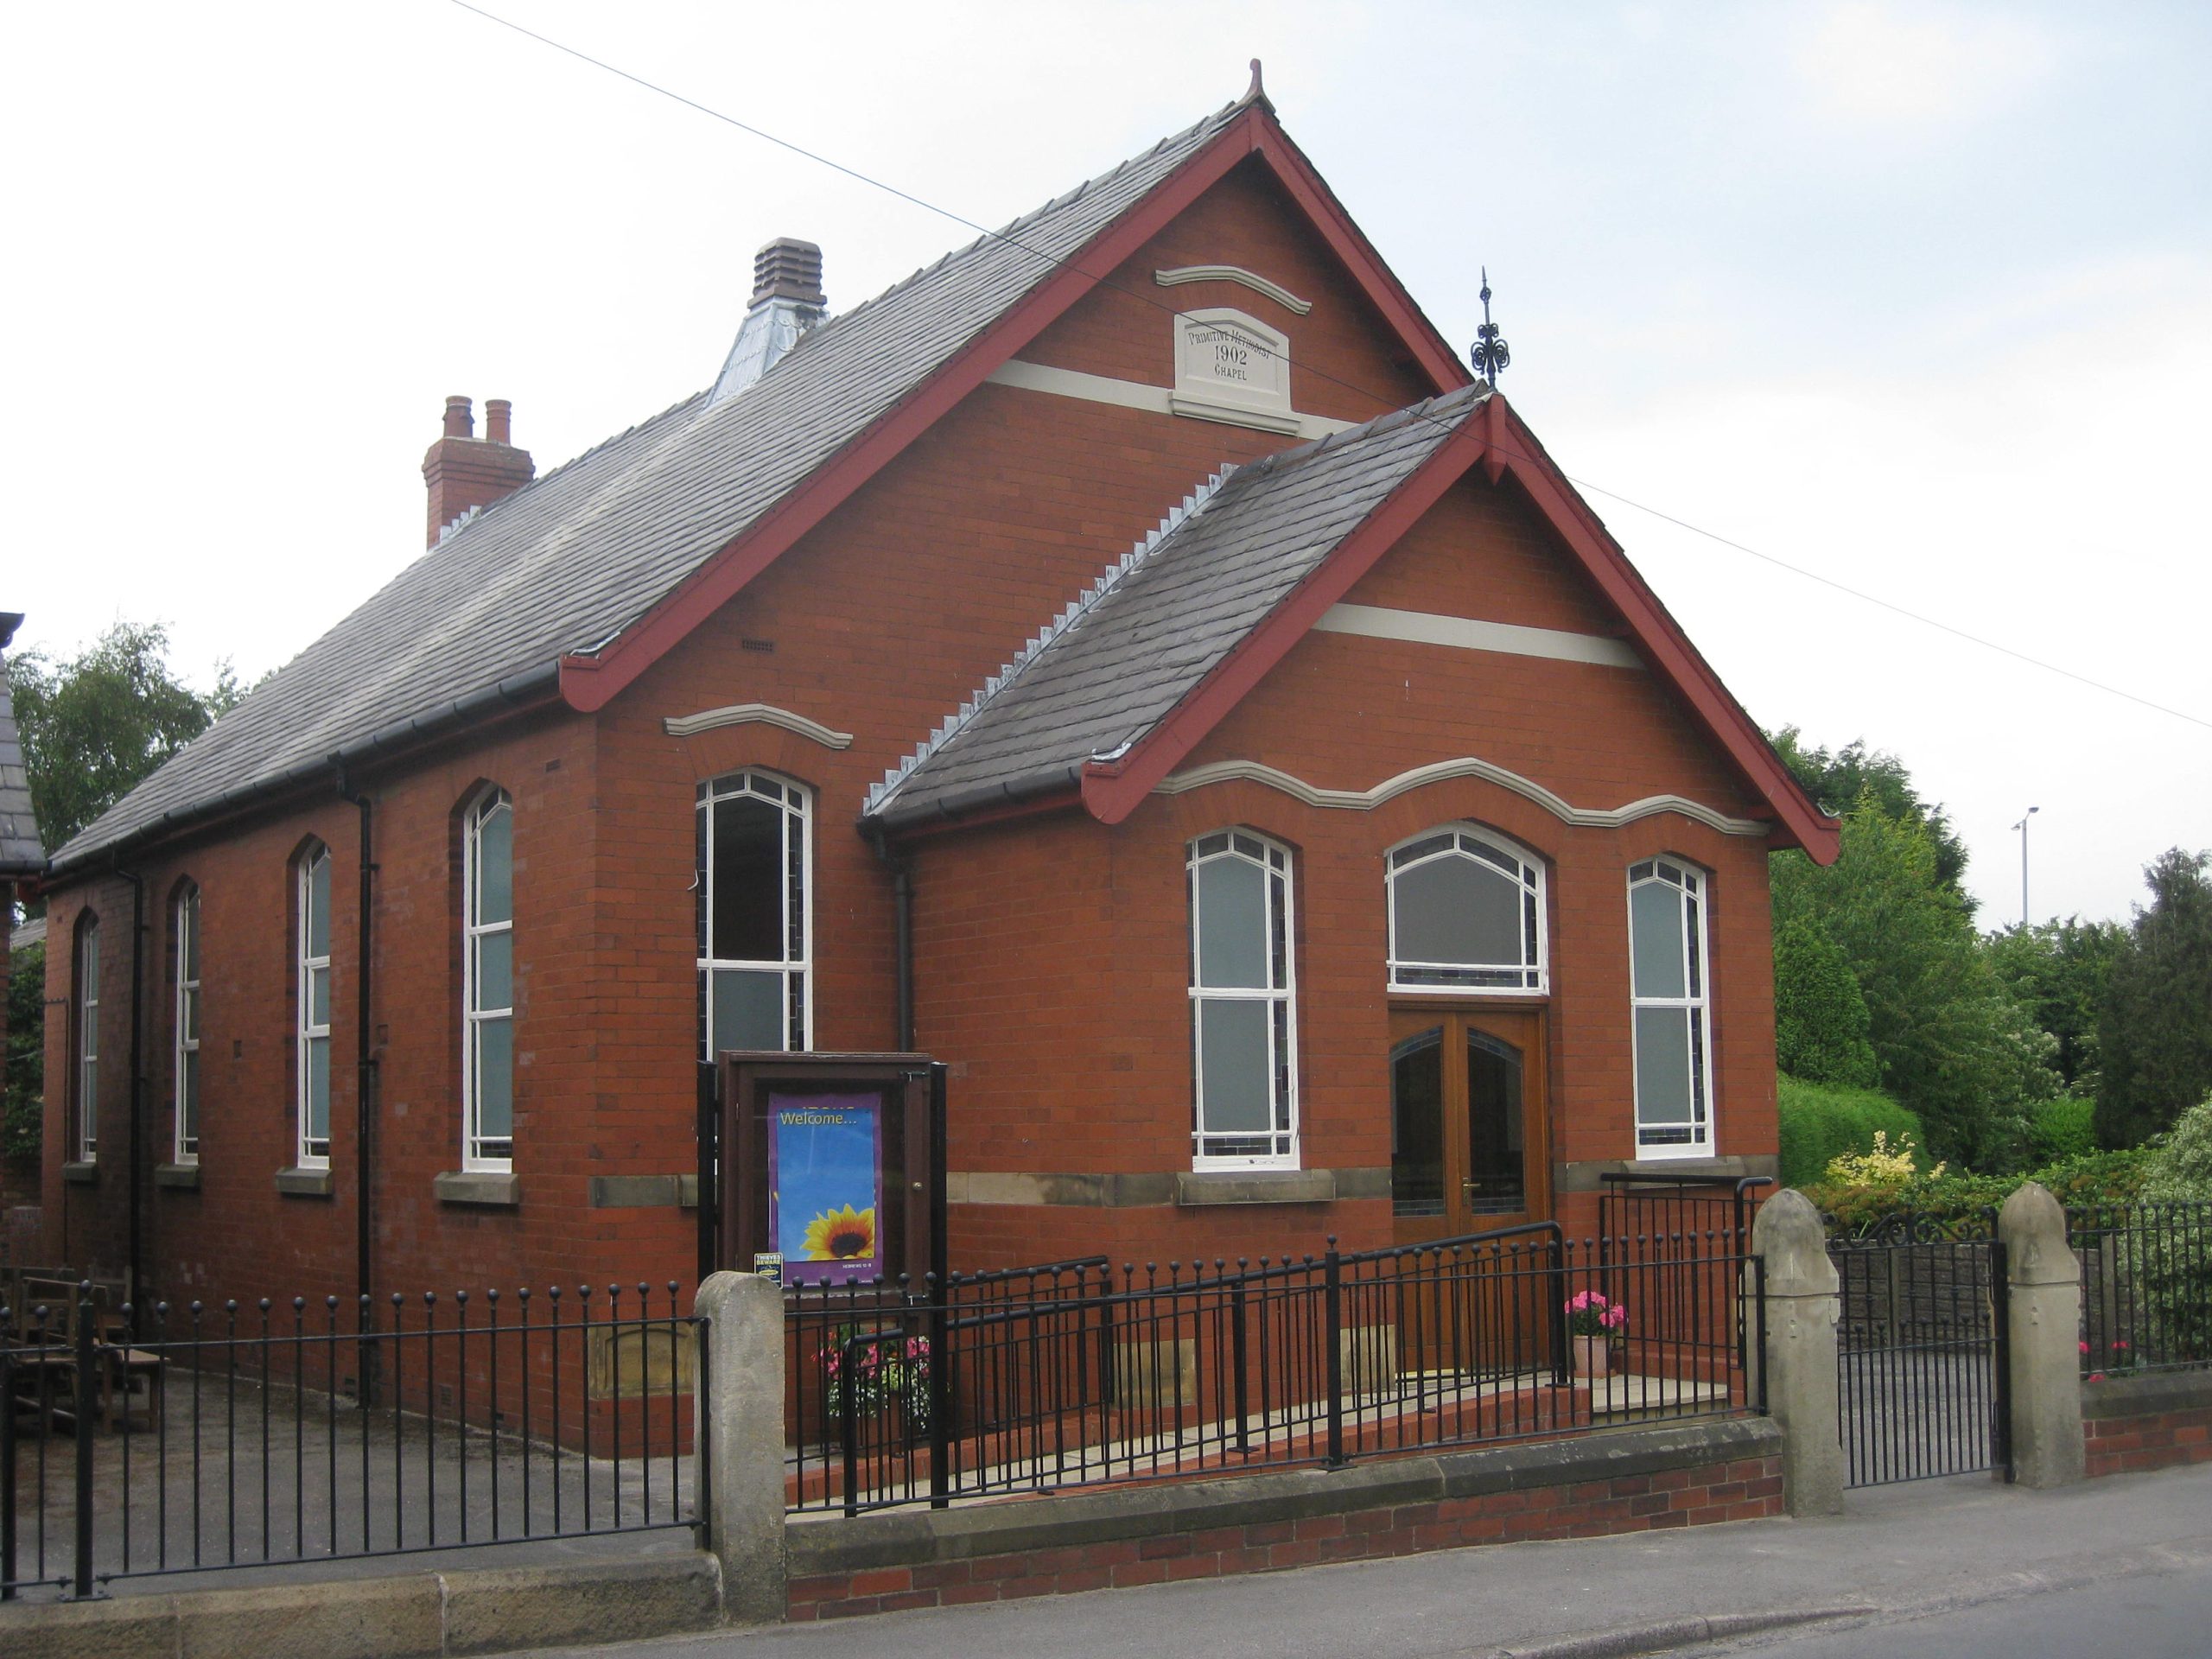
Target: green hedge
[(1820, 1121), (2089, 1178)]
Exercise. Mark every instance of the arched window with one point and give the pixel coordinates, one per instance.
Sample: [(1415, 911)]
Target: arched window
[(1244, 1001), (88, 1046), (185, 931), (755, 931), (487, 956), (311, 995), (1466, 914), (1669, 1003)]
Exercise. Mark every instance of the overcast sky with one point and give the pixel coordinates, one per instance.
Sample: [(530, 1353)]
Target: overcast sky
[(1917, 297)]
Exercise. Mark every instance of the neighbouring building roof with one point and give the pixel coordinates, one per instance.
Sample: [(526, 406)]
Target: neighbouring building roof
[(19, 851), (568, 562), (1127, 654)]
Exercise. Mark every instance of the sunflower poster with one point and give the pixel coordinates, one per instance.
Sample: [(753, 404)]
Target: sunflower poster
[(825, 1186)]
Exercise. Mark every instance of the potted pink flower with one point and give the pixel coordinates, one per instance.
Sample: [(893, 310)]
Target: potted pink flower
[(1593, 1321)]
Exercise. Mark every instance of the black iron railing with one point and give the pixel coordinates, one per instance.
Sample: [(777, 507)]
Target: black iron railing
[(901, 1393), (188, 1438), (2146, 1286)]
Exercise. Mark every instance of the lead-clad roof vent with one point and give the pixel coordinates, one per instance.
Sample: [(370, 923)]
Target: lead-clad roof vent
[(787, 301)]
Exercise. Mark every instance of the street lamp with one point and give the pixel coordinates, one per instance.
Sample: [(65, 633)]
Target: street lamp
[(2022, 826)]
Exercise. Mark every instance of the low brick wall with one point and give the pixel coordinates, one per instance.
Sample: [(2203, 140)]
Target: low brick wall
[(2152, 1422), (1617, 1480)]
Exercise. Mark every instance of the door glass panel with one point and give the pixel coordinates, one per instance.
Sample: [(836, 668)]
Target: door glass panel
[(1417, 1124), (1497, 1150)]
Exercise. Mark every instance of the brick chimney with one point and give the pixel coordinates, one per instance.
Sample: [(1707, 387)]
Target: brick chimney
[(465, 471)]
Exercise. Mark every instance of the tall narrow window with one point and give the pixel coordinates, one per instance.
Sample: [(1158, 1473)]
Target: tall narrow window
[(88, 1039), (186, 930), (488, 1077), (1243, 1013), (313, 993), (755, 935), (1466, 914), (1674, 1033)]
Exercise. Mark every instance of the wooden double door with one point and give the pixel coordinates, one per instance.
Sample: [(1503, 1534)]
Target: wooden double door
[(1468, 1152)]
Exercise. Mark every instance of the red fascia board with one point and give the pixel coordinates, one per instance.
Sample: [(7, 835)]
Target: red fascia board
[(1113, 789), (1377, 280), (1664, 645), (590, 683)]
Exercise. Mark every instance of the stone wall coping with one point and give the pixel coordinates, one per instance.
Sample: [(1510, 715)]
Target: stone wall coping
[(2147, 1394), (831, 1543)]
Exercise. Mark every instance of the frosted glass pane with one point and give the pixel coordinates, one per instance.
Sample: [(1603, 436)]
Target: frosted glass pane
[(1662, 1065), (748, 1010), (495, 889), (1656, 938), (192, 936), (319, 907), (495, 1080), (190, 1105), (1232, 925), (748, 855), (495, 983), (318, 1089), (319, 996), (1455, 909), (1234, 1076), (191, 1015)]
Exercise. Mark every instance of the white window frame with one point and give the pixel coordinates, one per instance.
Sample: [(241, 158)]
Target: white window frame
[(1529, 977), (795, 802), (310, 1031), (87, 1137), (1692, 884), (188, 1014), (1278, 870), (474, 929)]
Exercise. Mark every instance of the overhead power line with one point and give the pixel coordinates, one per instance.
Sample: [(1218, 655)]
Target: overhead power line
[(1383, 402)]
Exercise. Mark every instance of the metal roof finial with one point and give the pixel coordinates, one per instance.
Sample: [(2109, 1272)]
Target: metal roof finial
[(1489, 354)]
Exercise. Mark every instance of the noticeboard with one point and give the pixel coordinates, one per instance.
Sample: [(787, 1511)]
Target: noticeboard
[(832, 1166)]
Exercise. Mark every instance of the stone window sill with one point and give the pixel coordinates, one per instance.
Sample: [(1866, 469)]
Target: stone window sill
[(1211, 1186), (304, 1183), (183, 1177), (490, 1189), (84, 1174)]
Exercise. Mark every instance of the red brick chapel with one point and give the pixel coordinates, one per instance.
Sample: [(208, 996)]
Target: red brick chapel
[(1298, 815)]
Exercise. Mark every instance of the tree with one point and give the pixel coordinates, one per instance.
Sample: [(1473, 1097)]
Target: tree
[(1838, 781), (2058, 972), (23, 1067), (2154, 1028), (1952, 1044), (93, 726), (1820, 1016)]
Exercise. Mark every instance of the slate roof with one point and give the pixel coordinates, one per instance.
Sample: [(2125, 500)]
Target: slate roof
[(1120, 659), (19, 851), (566, 563)]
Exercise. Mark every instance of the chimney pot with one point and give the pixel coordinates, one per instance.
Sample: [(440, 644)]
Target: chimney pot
[(498, 415), (788, 269), (460, 423)]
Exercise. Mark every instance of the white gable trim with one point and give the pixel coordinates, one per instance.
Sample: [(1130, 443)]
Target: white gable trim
[(765, 714), (1466, 633), (1366, 800), (1157, 400), (1251, 279)]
